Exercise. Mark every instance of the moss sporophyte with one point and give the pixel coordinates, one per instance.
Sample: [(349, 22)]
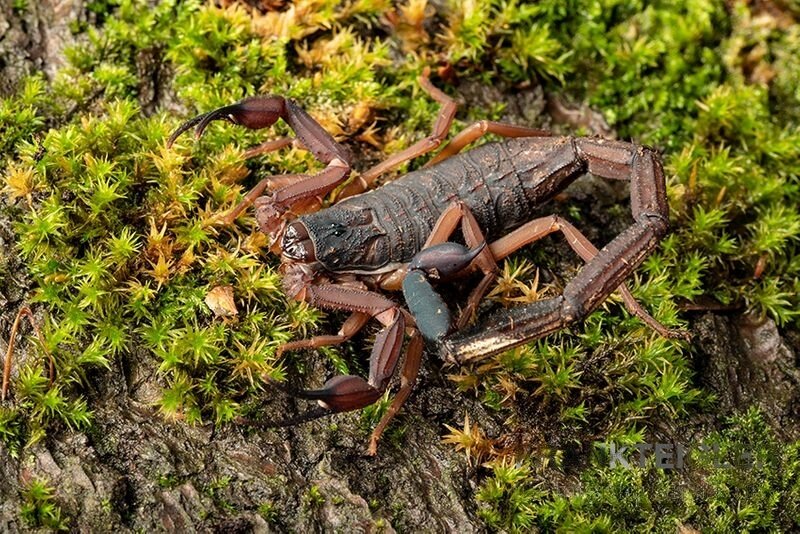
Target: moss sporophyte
[(122, 239)]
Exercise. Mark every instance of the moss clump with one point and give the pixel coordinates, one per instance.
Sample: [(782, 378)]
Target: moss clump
[(39, 509), (123, 241), (737, 480)]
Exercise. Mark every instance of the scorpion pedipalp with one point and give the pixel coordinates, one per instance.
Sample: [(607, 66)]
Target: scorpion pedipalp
[(295, 190), (343, 393), (253, 113)]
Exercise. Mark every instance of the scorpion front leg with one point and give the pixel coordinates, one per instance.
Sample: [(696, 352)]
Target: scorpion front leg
[(294, 190)]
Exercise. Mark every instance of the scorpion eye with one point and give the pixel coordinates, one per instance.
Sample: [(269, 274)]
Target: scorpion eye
[(337, 230), (302, 251)]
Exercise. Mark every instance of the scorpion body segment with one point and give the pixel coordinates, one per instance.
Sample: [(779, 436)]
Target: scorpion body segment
[(397, 236), (501, 183)]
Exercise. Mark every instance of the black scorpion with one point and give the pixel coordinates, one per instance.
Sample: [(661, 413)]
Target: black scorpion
[(397, 236)]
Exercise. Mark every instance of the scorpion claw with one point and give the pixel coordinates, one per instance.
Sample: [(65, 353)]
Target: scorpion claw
[(339, 394), (253, 113), (343, 393), (188, 125), (224, 113), (200, 123)]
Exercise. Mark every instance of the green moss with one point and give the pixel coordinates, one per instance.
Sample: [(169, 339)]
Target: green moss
[(508, 496), (313, 498), (39, 509), (268, 511), (738, 480), (122, 240), (215, 490)]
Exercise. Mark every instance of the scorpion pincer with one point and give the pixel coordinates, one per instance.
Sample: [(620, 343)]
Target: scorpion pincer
[(396, 236)]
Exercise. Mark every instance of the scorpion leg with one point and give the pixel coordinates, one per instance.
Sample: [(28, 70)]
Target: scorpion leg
[(602, 274), (441, 127), (262, 112), (476, 130), (407, 380), (351, 327)]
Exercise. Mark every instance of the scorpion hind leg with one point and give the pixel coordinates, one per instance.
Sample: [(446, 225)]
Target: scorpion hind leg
[(440, 128)]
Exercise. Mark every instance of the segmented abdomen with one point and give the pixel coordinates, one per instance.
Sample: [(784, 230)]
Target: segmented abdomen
[(500, 182)]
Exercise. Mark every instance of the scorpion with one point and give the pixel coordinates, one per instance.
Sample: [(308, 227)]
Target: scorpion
[(396, 237)]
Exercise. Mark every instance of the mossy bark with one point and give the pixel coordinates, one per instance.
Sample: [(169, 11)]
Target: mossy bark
[(135, 471)]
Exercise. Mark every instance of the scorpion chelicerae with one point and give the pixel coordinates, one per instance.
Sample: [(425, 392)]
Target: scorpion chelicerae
[(396, 236)]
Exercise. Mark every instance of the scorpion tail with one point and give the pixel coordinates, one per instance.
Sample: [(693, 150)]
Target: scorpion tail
[(440, 261), (427, 306)]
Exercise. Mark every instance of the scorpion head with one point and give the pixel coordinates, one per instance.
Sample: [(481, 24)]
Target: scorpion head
[(339, 240)]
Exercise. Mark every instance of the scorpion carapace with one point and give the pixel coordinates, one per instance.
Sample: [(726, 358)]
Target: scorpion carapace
[(397, 236)]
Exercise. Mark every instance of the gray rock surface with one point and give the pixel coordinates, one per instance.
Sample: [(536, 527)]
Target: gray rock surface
[(33, 39), (745, 361)]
